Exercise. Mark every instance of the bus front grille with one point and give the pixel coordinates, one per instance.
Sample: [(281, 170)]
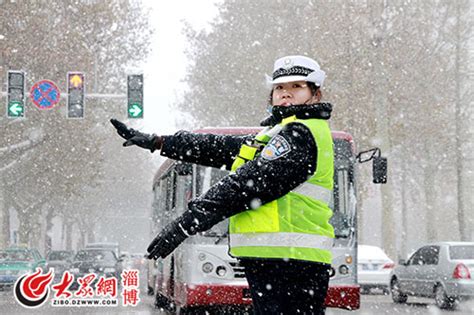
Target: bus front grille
[(238, 270)]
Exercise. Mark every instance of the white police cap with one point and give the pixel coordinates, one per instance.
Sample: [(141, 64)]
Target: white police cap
[(296, 68)]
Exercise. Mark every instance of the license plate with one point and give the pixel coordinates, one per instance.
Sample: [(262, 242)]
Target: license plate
[(370, 267)]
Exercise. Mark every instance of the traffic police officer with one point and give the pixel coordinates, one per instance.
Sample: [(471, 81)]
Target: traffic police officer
[(277, 194)]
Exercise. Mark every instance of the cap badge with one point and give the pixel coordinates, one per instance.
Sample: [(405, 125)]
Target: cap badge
[(288, 63)]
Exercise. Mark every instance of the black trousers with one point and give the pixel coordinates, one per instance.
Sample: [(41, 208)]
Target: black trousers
[(287, 287)]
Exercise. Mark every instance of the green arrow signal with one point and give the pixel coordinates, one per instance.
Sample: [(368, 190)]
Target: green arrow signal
[(15, 109), (135, 110)]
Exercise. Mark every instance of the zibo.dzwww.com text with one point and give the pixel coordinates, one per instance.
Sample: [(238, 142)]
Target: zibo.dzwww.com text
[(85, 302)]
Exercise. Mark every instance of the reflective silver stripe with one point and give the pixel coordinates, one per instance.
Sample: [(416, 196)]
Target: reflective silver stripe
[(285, 239), (314, 191), (274, 131), (269, 132), (263, 131), (182, 229)]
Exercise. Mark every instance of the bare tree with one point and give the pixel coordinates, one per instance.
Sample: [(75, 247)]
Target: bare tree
[(46, 157)]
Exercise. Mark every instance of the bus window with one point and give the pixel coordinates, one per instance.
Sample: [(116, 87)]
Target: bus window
[(342, 198), (166, 200), (342, 204), (183, 192), (205, 178), (155, 208), (159, 206), (171, 197)]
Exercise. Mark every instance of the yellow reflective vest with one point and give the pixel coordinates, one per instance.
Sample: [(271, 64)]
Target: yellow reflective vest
[(296, 225)]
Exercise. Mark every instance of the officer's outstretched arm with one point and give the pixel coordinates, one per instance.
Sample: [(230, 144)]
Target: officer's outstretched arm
[(204, 149)]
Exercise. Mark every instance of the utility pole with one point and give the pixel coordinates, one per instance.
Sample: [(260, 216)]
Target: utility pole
[(382, 125), (4, 234), (464, 116)]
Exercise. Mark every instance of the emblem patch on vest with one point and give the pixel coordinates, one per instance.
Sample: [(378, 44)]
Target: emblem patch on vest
[(276, 148)]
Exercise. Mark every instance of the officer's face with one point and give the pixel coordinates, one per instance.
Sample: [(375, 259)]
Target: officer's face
[(293, 93)]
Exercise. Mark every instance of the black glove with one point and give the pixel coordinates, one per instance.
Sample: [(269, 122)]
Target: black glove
[(134, 137), (166, 241)]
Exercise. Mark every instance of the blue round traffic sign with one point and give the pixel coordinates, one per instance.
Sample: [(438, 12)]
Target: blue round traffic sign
[(45, 94)]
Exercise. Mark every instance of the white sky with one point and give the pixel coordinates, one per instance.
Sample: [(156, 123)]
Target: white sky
[(166, 65)]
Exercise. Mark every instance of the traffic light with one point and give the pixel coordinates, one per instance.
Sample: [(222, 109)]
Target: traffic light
[(75, 95), (135, 96), (16, 94)]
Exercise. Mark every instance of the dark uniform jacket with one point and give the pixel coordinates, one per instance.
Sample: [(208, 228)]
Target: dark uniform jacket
[(260, 180)]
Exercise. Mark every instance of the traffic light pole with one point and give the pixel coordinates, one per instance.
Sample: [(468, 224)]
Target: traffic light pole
[(92, 95), (97, 95), (75, 97)]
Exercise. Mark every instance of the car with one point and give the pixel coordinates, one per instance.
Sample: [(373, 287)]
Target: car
[(115, 247), (60, 261), (373, 268), (101, 262), (16, 261), (443, 271)]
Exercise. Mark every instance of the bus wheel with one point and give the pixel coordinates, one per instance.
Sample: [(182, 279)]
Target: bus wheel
[(190, 311), (149, 291), (161, 301)]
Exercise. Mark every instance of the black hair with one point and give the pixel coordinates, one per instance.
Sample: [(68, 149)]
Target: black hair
[(312, 86)]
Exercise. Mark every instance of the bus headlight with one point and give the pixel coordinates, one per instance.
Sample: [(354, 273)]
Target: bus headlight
[(207, 267), (348, 259), (343, 270), (221, 271)]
